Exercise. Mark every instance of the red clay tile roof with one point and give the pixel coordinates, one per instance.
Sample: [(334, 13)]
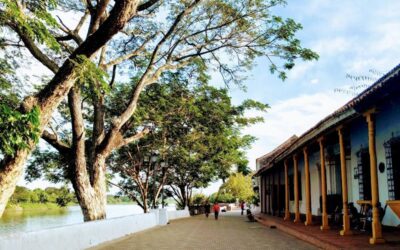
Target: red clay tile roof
[(266, 160)]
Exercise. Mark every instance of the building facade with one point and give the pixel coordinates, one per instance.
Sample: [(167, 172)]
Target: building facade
[(351, 156)]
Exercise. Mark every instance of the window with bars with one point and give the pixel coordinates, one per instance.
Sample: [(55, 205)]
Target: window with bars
[(364, 174), (392, 152)]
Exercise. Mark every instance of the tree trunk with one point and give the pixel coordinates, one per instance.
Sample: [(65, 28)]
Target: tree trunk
[(9, 176), (92, 199), (145, 206), (49, 98), (184, 196), (90, 186)]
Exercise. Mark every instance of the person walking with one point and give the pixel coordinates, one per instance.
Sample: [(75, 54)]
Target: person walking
[(207, 208), (216, 209), (242, 206)]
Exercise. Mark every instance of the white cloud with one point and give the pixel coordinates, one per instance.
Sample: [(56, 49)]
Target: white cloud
[(288, 117), (330, 46), (300, 70), (314, 81)]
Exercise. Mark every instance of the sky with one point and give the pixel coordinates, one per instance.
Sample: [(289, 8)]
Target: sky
[(351, 37)]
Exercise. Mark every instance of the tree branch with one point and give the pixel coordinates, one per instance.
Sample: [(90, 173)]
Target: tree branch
[(120, 121), (33, 49), (134, 138), (129, 55), (146, 5), (52, 139), (128, 193)]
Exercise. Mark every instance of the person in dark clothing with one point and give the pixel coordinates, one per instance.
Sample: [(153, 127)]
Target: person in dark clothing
[(207, 208), (242, 206), (367, 220), (380, 210), (354, 215)]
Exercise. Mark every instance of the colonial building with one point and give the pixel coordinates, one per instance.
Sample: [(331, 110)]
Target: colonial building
[(353, 155)]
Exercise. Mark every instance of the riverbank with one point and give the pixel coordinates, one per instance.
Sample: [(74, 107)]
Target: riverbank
[(31, 207), (18, 220)]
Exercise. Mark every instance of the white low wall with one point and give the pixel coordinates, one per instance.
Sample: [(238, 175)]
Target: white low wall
[(172, 215), (84, 235)]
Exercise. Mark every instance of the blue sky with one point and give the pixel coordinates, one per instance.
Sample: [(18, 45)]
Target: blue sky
[(351, 37)]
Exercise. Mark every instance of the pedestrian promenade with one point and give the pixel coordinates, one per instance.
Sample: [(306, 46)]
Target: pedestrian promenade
[(232, 231)]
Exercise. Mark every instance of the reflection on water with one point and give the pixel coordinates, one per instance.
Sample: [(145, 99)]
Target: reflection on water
[(26, 221)]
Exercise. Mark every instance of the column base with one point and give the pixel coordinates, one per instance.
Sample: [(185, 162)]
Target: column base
[(345, 232), (325, 228), (297, 221), (376, 241), (287, 215), (308, 223)]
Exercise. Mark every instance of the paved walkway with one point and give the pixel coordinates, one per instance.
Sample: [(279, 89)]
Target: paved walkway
[(231, 231)]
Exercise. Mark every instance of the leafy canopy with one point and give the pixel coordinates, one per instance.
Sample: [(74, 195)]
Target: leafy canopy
[(239, 186)]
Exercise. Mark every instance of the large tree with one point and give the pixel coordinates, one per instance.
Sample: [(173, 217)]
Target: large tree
[(33, 25), (209, 150), (195, 36)]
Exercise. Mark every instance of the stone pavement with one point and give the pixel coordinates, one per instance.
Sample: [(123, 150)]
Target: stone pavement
[(231, 231)]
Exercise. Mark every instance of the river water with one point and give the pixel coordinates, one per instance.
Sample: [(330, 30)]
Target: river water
[(26, 221)]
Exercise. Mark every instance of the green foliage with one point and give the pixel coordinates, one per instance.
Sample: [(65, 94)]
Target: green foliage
[(49, 165), (89, 77), (64, 197), (7, 95), (245, 30), (199, 134), (195, 133), (242, 167), (118, 199), (33, 19), (60, 196), (21, 128), (239, 186), (222, 197), (21, 194), (198, 199)]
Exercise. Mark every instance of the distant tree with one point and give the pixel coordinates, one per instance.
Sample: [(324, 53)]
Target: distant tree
[(64, 197), (191, 140), (198, 199), (21, 194), (222, 197), (42, 195), (239, 186), (61, 196)]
